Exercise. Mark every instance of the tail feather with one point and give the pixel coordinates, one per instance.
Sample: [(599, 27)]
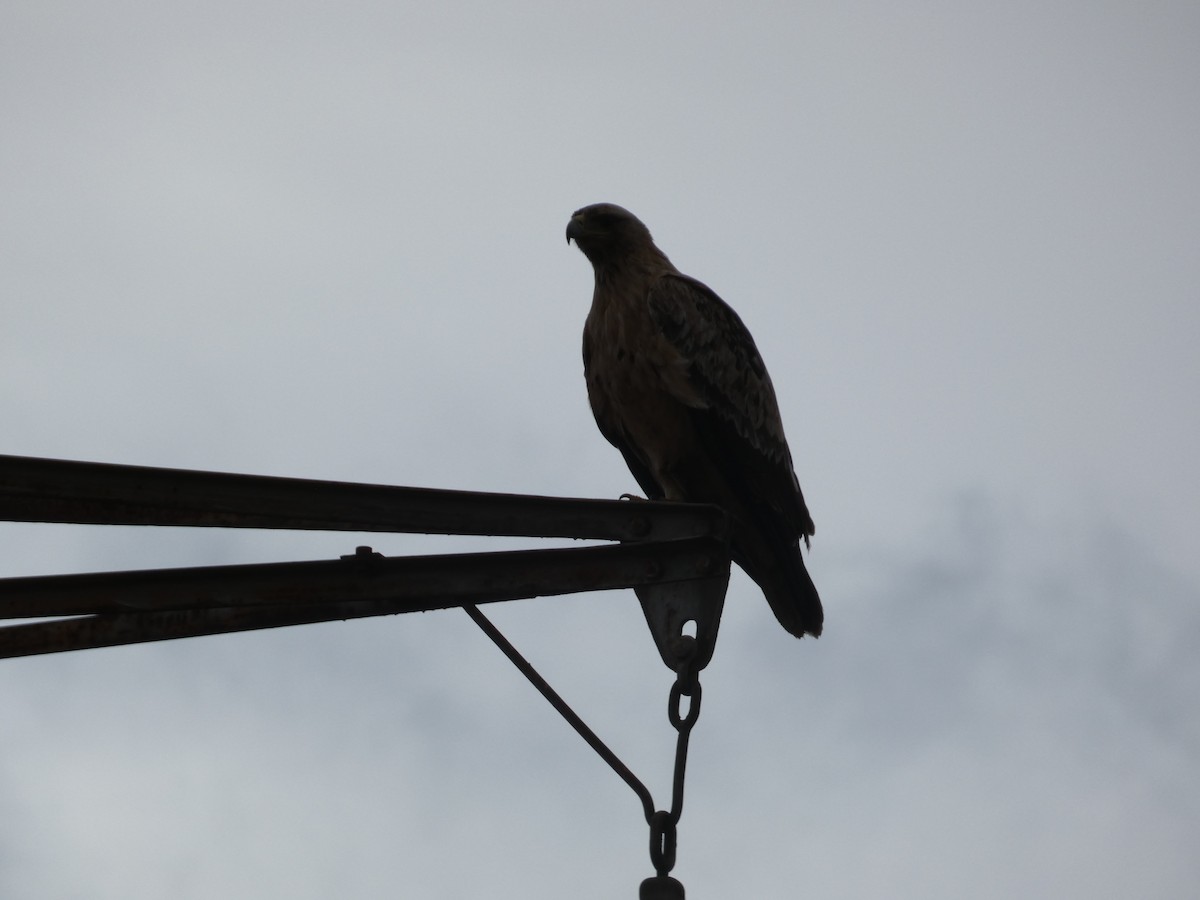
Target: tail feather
[(784, 579)]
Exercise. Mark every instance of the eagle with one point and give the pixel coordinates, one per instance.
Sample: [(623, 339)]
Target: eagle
[(677, 385)]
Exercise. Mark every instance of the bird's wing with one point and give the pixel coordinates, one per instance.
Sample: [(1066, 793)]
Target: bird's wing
[(737, 413)]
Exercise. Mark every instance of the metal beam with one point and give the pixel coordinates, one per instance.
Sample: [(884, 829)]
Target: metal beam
[(127, 607), (162, 604), (48, 490)]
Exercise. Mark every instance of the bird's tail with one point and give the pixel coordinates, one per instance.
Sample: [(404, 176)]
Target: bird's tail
[(780, 571)]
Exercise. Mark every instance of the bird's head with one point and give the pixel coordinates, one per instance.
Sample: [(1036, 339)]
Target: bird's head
[(606, 232)]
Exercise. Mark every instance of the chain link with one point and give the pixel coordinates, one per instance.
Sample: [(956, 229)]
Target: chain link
[(687, 685)]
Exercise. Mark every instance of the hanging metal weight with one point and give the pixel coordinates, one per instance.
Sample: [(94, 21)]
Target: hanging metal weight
[(660, 887)]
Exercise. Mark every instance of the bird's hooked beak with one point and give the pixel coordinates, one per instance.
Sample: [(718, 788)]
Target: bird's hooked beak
[(574, 228)]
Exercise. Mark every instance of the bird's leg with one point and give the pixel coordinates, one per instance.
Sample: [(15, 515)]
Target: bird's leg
[(632, 497)]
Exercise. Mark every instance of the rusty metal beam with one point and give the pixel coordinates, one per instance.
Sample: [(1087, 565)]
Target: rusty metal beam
[(47, 490), (162, 604)]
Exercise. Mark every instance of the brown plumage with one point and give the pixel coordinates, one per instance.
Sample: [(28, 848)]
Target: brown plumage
[(677, 385)]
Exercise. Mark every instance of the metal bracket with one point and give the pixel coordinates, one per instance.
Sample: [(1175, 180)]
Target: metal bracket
[(670, 606)]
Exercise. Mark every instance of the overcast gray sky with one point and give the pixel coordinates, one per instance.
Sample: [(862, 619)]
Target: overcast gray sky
[(326, 240)]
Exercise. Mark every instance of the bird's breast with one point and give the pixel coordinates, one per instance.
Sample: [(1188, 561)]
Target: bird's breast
[(638, 387)]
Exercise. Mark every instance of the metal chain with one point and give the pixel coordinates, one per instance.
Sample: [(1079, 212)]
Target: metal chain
[(687, 685)]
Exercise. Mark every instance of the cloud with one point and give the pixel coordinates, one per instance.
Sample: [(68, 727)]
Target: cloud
[(1003, 713)]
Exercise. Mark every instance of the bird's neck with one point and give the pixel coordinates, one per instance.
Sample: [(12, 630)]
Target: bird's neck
[(631, 269)]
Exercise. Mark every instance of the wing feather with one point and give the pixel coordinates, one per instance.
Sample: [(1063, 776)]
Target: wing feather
[(738, 414)]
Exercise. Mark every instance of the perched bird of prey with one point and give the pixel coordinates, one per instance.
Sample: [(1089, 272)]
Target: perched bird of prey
[(677, 385)]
